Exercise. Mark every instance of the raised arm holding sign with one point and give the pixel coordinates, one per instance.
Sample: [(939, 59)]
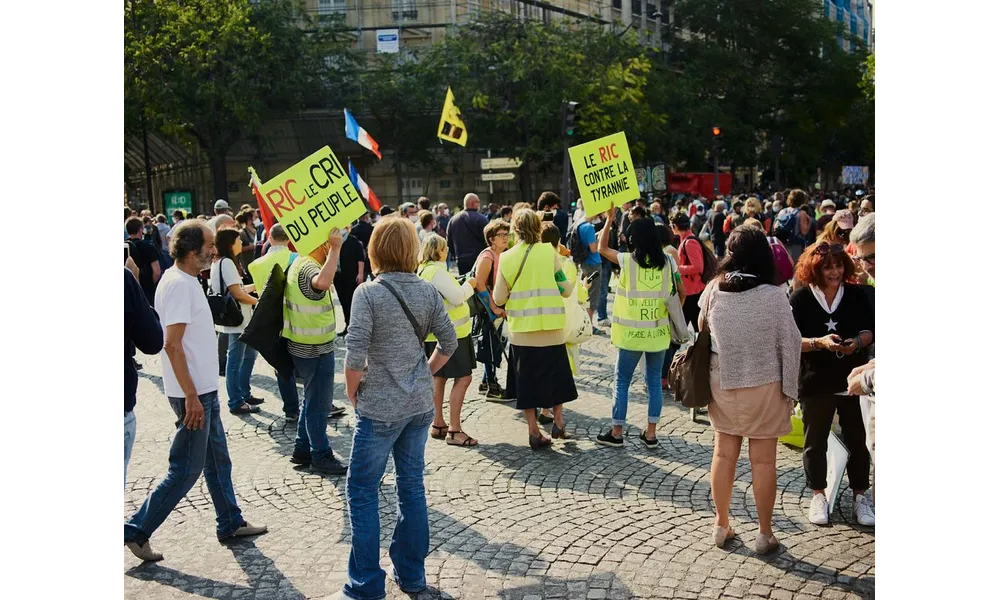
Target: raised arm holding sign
[(312, 198), (604, 173)]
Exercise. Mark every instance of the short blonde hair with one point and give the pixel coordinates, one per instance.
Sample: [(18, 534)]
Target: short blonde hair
[(431, 248), (752, 206), (527, 226), (493, 228), (752, 222), (393, 247)]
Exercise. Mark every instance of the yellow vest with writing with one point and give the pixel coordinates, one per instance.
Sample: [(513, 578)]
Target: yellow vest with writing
[(260, 269), (459, 314), (307, 321), (639, 320), (535, 303)]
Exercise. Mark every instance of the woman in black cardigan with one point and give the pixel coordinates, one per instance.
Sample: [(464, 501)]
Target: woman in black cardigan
[(836, 320)]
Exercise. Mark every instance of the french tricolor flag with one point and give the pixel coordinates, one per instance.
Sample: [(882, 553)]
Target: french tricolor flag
[(366, 192), (358, 134)]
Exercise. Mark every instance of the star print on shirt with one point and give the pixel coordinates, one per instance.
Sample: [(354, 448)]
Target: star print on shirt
[(831, 325)]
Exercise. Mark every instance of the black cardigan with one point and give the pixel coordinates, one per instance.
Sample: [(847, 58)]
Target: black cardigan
[(821, 372)]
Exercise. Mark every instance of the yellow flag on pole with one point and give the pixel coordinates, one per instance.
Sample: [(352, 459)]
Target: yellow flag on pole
[(451, 127)]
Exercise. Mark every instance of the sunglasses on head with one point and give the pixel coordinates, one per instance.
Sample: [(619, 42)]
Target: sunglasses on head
[(843, 233), (824, 248)]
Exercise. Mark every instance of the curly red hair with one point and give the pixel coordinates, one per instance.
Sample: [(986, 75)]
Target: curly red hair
[(809, 269)]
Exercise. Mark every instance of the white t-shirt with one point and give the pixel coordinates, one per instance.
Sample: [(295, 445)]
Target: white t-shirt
[(230, 275), (180, 299)]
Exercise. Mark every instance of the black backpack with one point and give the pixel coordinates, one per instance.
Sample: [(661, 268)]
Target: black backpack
[(709, 262), (577, 249)]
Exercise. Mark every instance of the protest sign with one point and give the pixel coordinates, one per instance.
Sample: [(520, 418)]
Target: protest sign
[(312, 198), (604, 173)]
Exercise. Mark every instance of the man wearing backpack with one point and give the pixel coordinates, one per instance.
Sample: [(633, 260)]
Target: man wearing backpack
[(583, 247), (695, 265), (794, 226)]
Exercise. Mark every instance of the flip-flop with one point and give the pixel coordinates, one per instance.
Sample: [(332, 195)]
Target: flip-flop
[(439, 432)]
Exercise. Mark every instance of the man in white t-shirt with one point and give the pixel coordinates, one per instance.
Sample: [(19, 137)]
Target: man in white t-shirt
[(191, 383)]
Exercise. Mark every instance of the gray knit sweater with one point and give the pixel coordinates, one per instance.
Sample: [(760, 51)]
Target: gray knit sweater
[(756, 335), (397, 384)]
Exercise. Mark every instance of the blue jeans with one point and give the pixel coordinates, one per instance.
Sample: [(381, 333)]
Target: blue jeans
[(317, 374), (602, 303), (129, 439), (624, 367), (373, 440), (192, 451), (289, 395), (239, 367)]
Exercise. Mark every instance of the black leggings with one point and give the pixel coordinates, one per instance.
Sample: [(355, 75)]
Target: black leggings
[(817, 417), (692, 310)]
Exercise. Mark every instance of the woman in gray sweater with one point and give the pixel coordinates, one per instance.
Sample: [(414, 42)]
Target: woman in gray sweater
[(389, 384), (754, 375)]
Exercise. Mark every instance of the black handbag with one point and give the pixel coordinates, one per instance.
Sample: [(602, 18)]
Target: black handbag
[(225, 309)]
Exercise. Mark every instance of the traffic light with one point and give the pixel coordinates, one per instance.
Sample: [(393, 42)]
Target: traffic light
[(716, 132), (569, 117)]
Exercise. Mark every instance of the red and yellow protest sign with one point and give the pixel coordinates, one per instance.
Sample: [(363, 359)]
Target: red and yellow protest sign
[(311, 198)]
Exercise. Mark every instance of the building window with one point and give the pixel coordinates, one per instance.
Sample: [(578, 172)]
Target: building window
[(404, 10), (444, 184), (331, 7), (616, 4)]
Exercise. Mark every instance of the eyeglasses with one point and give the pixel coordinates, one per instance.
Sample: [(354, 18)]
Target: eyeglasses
[(864, 211), (868, 258), (503, 234), (824, 248)]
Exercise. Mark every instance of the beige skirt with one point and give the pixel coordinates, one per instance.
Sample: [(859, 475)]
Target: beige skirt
[(760, 412)]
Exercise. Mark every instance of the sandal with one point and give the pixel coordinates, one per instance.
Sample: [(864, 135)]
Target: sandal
[(723, 535), (538, 442), (468, 442), (440, 432), (559, 433)]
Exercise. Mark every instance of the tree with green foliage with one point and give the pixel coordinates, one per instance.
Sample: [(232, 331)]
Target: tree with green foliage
[(404, 98), (515, 75), (761, 71), (214, 72), (868, 78)]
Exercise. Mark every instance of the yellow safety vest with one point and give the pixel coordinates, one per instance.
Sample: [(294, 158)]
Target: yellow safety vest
[(535, 303), (639, 320), (260, 269), (307, 321), (460, 315)]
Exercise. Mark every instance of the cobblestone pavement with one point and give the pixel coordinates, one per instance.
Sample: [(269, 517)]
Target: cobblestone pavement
[(577, 522)]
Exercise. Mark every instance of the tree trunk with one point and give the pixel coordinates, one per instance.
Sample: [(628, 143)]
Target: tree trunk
[(524, 181), (220, 183), (398, 168)]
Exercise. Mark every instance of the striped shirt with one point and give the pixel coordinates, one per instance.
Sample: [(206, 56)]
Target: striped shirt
[(309, 270)]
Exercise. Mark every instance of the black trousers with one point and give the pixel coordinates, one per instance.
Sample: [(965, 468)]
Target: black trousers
[(817, 417), (467, 264), (223, 339), (692, 310), (345, 292)]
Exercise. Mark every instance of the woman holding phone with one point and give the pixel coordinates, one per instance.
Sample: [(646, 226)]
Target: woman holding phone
[(836, 321)]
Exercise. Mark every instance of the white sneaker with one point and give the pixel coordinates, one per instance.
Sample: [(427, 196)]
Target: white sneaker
[(863, 511), (604, 323), (819, 510)]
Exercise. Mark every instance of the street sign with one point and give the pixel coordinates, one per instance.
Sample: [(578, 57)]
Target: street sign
[(500, 163), (497, 176)]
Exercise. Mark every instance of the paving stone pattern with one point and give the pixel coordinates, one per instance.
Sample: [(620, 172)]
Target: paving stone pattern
[(577, 522)]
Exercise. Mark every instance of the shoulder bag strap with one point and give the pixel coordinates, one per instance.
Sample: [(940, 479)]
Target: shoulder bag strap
[(521, 268), (406, 309)]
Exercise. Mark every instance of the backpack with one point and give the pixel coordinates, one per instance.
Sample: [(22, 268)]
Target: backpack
[(577, 249), (786, 227), (709, 263), (782, 261)]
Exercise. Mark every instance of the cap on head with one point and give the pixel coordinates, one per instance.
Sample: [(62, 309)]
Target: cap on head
[(828, 204), (844, 219), (221, 204)]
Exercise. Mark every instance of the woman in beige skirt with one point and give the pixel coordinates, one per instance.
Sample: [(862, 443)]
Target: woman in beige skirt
[(754, 375)]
